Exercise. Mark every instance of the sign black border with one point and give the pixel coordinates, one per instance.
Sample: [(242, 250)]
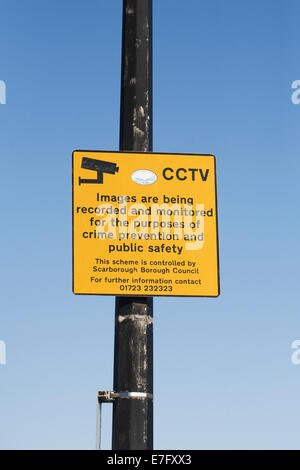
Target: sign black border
[(147, 153)]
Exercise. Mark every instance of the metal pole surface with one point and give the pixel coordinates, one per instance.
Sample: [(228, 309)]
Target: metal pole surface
[(133, 355)]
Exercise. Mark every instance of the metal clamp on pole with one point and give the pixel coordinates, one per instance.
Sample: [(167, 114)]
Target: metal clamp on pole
[(104, 396), (132, 395)]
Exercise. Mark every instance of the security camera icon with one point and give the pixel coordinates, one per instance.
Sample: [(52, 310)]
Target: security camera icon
[(97, 165)]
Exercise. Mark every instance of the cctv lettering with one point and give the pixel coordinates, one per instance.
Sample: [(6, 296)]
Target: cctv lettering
[(182, 174)]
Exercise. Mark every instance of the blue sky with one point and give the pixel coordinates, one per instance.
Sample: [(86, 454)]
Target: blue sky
[(222, 85)]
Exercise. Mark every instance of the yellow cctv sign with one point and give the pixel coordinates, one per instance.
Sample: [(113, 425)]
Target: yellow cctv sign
[(144, 224)]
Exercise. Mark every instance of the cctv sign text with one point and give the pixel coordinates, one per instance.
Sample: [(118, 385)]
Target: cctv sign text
[(182, 174), (144, 224)]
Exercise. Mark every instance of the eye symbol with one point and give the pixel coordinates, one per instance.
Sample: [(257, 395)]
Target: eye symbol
[(144, 177)]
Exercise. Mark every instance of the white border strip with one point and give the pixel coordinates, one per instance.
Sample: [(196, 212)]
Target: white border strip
[(132, 395)]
